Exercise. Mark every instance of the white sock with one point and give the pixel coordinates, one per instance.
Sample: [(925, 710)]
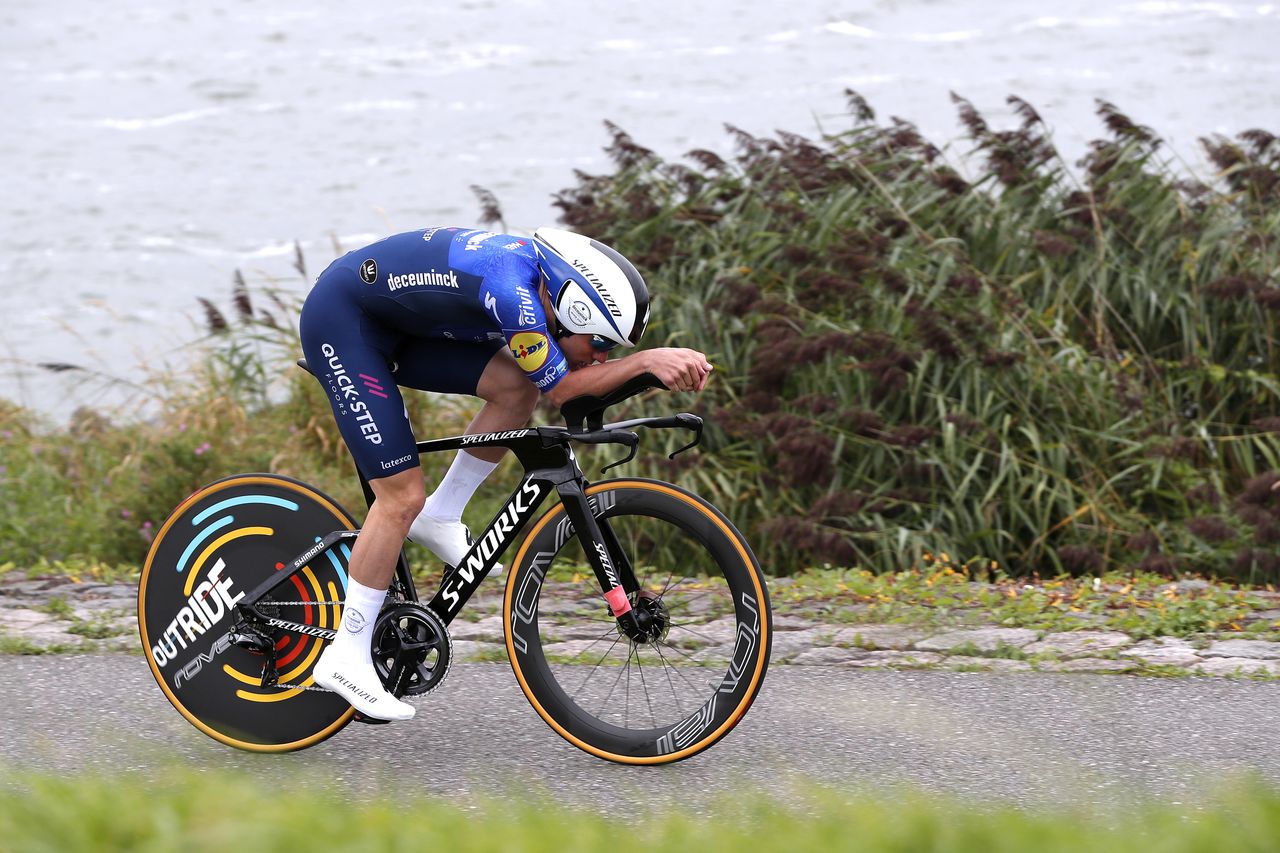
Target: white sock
[(359, 613), (460, 482), (346, 667)]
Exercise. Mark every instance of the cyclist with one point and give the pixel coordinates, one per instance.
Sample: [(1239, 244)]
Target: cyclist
[(460, 311)]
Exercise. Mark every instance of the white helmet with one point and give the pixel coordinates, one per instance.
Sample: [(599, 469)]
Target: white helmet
[(594, 290)]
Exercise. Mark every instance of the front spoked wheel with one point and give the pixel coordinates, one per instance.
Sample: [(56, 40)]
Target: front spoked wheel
[(702, 592)]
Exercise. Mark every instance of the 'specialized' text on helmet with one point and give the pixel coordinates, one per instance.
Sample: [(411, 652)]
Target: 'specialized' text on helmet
[(594, 290)]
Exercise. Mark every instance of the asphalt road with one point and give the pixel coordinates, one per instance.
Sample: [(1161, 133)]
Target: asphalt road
[(1026, 739)]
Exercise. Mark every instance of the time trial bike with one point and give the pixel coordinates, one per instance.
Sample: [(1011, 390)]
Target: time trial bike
[(636, 617)]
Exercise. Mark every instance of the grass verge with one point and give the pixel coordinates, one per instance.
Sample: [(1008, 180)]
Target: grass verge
[(1140, 604), (213, 811)]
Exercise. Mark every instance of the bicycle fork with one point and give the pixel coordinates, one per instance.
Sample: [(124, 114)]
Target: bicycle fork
[(610, 563)]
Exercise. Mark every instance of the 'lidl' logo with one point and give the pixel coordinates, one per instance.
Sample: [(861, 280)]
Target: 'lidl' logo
[(530, 350)]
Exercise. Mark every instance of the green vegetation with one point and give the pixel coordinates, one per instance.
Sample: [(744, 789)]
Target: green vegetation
[(216, 811), (100, 626), (1046, 368), (22, 646), (1142, 604), (1038, 368), (58, 608), (78, 569)]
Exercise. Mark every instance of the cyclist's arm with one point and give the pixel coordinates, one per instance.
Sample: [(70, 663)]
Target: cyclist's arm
[(678, 369)]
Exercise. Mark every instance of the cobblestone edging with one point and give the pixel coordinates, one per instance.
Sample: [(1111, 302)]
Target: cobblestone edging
[(56, 614)]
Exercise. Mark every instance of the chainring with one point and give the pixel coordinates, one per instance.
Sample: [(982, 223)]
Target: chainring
[(412, 651)]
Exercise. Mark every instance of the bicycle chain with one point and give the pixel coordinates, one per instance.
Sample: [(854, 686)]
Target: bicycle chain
[(302, 603), (274, 603), (300, 686)]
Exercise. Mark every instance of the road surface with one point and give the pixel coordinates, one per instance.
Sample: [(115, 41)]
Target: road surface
[(1017, 739)]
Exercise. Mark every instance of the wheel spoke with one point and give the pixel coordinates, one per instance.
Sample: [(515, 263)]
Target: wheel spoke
[(698, 634), (591, 671), (689, 572), (678, 670), (686, 655), (670, 584), (612, 633), (644, 685), (667, 668), (626, 692)]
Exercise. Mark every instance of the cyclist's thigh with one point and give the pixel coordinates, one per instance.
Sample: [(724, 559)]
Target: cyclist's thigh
[(349, 354), (443, 366)]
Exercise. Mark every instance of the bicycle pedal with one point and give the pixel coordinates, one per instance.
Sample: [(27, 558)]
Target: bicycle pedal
[(357, 717)]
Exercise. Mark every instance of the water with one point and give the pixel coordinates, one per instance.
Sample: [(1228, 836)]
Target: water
[(152, 148)]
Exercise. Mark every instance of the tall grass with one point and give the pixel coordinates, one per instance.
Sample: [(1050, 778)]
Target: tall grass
[(1039, 367)]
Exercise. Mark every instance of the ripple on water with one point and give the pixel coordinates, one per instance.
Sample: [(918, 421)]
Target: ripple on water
[(136, 124), (224, 90)]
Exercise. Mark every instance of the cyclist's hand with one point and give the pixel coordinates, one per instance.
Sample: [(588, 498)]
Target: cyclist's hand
[(679, 369)]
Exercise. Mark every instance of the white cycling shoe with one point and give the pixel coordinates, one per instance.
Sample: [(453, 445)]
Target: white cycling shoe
[(448, 540), (357, 683)]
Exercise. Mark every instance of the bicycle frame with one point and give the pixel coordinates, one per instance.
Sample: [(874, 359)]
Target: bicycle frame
[(550, 465)]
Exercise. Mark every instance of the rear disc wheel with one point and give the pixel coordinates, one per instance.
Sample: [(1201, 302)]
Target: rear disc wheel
[(218, 545)]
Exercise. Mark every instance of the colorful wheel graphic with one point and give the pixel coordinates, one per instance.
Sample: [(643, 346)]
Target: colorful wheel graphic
[(218, 545)]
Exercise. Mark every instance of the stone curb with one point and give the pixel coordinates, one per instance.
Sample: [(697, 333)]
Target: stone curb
[(56, 614)]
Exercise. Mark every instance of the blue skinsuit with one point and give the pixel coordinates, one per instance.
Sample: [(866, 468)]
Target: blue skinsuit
[(424, 309)]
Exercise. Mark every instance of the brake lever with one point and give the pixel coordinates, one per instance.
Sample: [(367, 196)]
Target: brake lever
[(633, 443), (692, 422)]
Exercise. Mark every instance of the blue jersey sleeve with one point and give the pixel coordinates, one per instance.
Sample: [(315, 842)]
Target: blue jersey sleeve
[(515, 306)]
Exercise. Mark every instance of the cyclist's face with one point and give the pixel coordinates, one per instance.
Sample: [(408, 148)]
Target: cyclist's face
[(580, 352)]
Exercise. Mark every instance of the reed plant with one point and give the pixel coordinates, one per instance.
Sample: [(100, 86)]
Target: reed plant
[(1043, 367)]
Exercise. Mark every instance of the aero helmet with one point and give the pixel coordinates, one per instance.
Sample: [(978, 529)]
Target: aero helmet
[(594, 290)]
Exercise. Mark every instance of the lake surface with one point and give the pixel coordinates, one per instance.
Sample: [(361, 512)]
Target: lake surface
[(151, 149)]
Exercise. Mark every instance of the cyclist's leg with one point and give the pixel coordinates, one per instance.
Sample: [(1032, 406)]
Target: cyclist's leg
[(397, 501), (484, 370), (346, 667), (509, 398), (349, 356)]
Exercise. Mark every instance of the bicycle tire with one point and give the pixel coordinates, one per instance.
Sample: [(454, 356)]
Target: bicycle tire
[(712, 659), (224, 541)]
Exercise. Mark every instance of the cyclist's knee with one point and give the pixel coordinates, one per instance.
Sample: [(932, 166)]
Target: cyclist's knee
[(504, 384), (524, 396), (519, 395), (401, 513), (401, 496)]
